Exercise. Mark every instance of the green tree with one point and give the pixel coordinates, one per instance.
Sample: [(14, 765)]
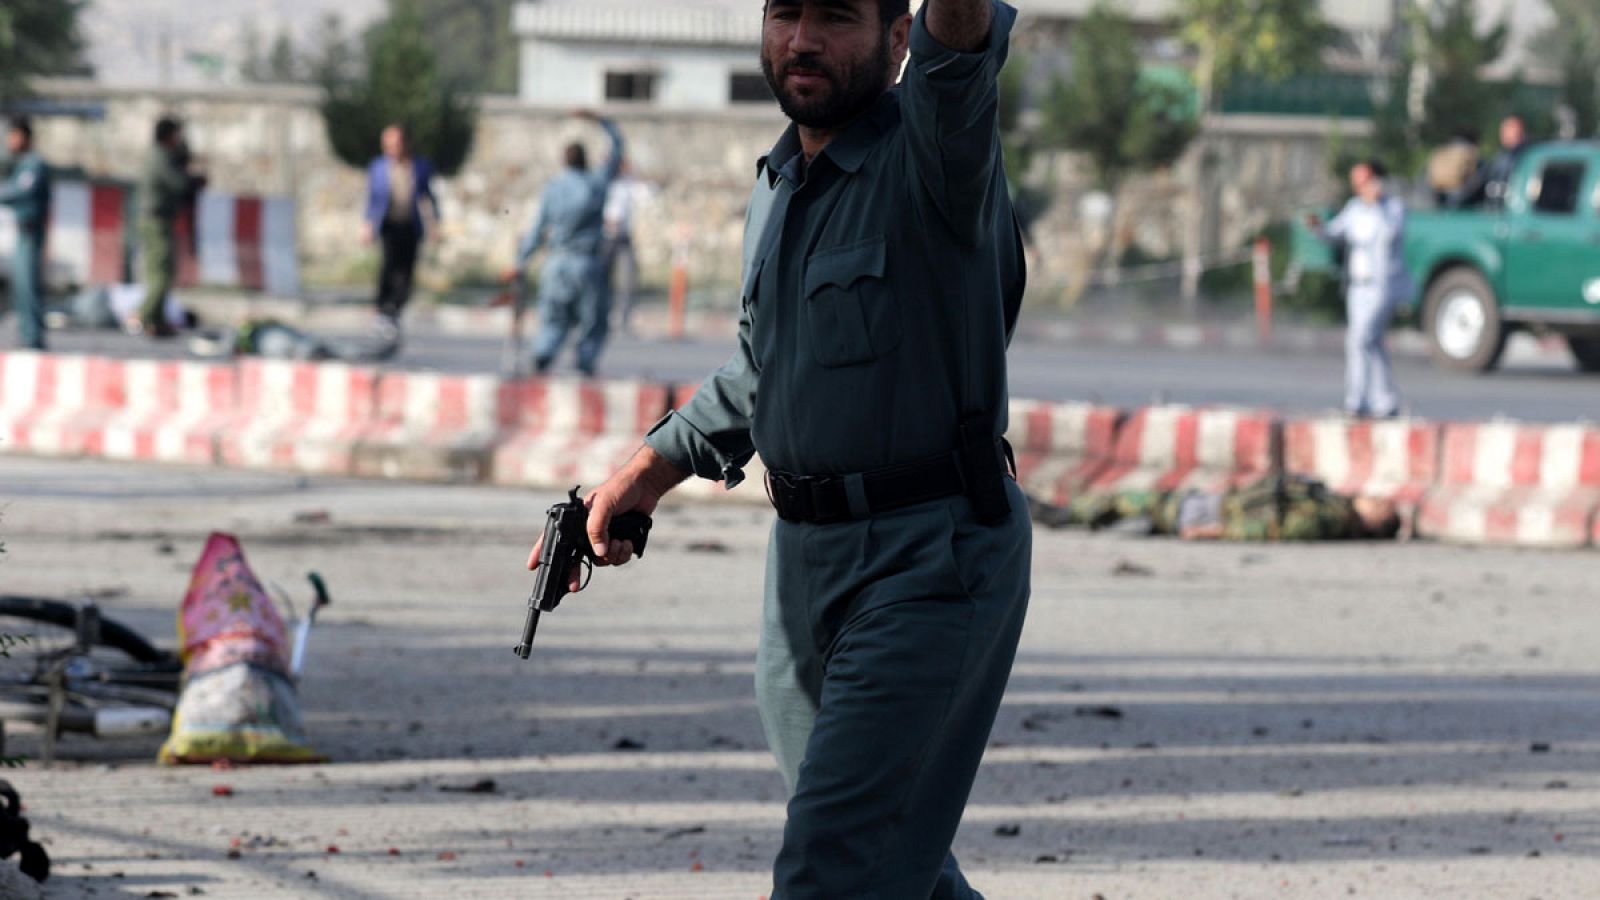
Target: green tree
[(283, 66), (1111, 111), (1574, 44), (1458, 97), (251, 67), (38, 37), (1272, 39), (473, 42), (402, 83)]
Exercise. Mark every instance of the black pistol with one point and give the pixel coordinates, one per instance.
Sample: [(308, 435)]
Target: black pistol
[(566, 546)]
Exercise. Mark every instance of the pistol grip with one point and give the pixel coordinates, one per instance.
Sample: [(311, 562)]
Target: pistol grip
[(630, 526)]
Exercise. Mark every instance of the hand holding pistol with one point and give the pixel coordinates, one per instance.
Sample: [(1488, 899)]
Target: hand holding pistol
[(565, 549)]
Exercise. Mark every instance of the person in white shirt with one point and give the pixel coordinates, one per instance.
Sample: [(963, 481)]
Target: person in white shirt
[(621, 265), (1372, 226)]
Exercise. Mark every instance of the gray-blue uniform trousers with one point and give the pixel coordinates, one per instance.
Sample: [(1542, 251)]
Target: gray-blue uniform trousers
[(873, 321), (27, 192), (572, 283)]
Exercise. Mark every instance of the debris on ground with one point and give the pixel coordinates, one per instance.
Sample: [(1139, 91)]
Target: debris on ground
[(481, 786), (1124, 568)]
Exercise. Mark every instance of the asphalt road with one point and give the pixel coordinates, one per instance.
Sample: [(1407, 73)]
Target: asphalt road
[(1185, 720), (1530, 385)]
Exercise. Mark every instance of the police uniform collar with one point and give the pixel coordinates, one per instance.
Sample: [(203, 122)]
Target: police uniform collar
[(847, 151)]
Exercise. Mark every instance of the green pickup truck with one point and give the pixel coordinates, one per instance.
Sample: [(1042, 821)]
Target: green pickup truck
[(1483, 273)]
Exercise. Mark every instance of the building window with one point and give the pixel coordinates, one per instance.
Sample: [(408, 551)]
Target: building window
[(746, 87), (635, 86)]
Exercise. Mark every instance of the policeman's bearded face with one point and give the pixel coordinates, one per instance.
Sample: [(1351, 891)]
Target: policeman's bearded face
[(827, 61)]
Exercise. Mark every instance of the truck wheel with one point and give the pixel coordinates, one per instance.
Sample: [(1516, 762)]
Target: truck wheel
[(1586, 350), (1462, 320)]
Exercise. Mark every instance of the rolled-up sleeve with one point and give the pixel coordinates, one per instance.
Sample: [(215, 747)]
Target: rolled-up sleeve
[(710, 435), (950, 102)]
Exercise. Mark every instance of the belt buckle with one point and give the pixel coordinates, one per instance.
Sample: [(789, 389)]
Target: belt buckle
[(794, 496)]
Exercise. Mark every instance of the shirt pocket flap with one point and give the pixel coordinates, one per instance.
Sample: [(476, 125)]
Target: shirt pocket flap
[(842, 267)]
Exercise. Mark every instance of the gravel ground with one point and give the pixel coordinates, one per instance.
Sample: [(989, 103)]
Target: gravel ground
[(1184, 721)]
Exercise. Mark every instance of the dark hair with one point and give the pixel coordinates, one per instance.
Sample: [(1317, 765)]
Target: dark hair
[(1376, 165), (888, 10), (22, 125), (167, 128), (576, 156)]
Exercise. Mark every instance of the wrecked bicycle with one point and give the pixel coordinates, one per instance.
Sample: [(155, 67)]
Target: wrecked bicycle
[(69, 668)]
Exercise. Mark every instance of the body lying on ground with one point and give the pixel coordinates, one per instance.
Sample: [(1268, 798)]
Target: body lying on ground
[(1272, 508), (272, 339)]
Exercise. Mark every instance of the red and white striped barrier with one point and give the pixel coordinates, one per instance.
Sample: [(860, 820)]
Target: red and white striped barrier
[(752, 490), (87, 239), (1060, 447), (169, 412), (1169, 448), (51, 405), (558, 432), (1395, 460), (1511, 483), (432, 426), (247, 242), (298, 415)]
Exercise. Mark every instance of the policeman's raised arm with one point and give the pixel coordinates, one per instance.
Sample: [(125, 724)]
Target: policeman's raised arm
[(613, 165), (961, 25), (950, 100)]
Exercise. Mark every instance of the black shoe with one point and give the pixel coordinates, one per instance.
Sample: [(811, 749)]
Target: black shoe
[(541, 366), (161, 330)]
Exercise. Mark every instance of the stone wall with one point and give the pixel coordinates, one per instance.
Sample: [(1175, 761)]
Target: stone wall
[(271, 140)]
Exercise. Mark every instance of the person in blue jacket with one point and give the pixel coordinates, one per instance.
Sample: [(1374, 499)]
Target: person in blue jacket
[(397, 184), (570, 224), (27, 193)]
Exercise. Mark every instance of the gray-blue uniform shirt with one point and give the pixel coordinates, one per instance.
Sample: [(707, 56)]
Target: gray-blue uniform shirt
[(876, 285), (571, 216), (27, 192)]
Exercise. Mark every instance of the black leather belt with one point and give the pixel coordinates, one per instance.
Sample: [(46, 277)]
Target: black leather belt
[(825, 499)]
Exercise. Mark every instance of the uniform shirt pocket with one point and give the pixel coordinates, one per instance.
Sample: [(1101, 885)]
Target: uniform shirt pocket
[(851, 315)]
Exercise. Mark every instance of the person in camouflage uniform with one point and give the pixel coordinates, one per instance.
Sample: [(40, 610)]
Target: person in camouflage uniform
[(1273, 508), (1278, 508)]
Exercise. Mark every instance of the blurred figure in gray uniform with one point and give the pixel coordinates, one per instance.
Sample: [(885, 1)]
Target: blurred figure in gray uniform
[(1372, 226), (572, 283)]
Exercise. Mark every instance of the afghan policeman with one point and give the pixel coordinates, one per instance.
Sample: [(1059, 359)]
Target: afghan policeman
[(572, 283), (1373, 227), (883, 270), (27, 193)]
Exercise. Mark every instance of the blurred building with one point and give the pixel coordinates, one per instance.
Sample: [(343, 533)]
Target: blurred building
[(704, 54), (692, 54)]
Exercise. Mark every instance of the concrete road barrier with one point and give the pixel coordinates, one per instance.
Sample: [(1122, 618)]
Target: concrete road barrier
[(557, 432), (1169, 448), (1061, 447), (52, 405), (170, 411), (1396, 460), (297, 415), (432, 427), (1500, 482), (1512, 483)]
